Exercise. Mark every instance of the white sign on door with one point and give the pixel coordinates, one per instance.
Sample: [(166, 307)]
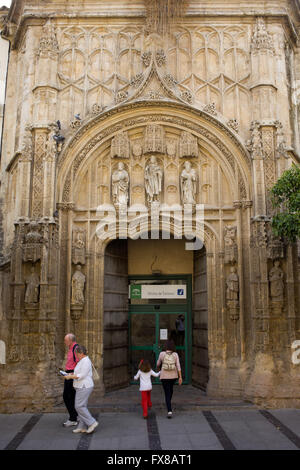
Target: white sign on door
[(163, 334)]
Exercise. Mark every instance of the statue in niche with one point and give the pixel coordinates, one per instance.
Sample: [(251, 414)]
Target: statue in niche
[(188, 184), (232, 284), (78, 282), (153, 180), (231, 251), (78, 248), (120, 185), (32, 287), (276, 277)]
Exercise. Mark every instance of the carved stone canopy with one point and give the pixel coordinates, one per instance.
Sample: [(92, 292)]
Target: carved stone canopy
[(154, 139), (120, 146)]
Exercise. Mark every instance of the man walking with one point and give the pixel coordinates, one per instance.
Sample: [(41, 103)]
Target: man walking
[(69, 391)]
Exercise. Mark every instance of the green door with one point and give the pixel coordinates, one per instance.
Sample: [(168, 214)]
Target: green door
[(152, 322)]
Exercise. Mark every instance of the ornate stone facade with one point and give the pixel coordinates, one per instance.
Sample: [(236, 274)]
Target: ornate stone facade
[(105, 114)]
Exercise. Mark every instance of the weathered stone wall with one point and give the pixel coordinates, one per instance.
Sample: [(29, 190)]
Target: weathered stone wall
[(92, 95)]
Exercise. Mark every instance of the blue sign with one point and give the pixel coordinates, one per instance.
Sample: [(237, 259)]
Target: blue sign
[(180, 291)]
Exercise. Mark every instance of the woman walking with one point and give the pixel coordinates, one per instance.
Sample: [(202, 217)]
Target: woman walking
[(170, 371), (84, 385)]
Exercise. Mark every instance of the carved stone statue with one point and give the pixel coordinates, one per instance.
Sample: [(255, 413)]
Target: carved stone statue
[(78, 247), (120, 185), (232, 284), (78, 282), (188, 185), (153, 180), (276, 277), (231, 251), (32, 288)]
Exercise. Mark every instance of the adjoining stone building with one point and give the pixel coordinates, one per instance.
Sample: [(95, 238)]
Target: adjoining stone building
[(115, 114)]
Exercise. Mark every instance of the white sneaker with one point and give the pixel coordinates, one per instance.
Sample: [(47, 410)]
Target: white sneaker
[(169, 414), (92, 427), (79, 430), (69, 423)]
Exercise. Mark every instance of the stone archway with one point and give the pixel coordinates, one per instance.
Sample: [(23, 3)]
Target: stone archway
[(175, 134)]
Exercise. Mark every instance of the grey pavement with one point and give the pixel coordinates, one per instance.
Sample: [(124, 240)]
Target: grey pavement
[(214, 429)]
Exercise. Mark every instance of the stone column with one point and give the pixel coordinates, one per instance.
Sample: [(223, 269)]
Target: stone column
[(263, 73)]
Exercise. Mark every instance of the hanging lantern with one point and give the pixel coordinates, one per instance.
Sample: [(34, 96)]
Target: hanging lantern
[(162, 13)]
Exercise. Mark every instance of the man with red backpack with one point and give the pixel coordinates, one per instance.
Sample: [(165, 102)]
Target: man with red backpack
[(69, 391)]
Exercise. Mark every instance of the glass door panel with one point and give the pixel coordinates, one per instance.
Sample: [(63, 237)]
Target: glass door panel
[(173, 326), (143, 329)]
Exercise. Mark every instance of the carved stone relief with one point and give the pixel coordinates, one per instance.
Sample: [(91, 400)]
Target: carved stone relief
[(276, 279), (231, 249), (261, 39), (78, 282), (154, 139), (120, 146), (188, 145), (232, 294), (33, 243)]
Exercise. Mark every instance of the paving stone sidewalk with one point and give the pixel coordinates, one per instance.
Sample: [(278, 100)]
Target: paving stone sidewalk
[(199, 423)]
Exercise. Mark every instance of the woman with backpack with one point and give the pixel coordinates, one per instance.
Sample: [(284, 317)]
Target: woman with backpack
[(170, 371)]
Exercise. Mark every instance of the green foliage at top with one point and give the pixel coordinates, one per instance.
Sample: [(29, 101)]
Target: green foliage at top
[(285, 196)]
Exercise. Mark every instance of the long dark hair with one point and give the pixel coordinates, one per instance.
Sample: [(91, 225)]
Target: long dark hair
[(170, 345)]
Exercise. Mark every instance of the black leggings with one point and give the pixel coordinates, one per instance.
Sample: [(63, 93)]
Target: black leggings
[(168, 389)]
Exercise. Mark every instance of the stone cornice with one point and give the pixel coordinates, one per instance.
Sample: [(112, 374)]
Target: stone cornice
[(236, 11)]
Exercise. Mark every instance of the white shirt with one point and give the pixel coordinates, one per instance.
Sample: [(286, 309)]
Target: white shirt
[(145, 379), (84, 372)]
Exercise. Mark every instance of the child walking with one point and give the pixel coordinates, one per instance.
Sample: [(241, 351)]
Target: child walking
[(144, 374)]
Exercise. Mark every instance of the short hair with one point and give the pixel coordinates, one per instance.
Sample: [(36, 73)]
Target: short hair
[(81, 349), (72, 337)]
